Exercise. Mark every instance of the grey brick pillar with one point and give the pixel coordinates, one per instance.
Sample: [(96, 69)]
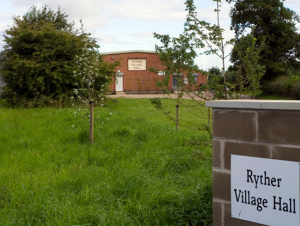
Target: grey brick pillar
[(266, 129)]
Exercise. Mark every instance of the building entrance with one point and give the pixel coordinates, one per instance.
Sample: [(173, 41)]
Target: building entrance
[(119, 82)]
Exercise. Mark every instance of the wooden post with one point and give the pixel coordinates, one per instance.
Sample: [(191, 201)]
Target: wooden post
[(177, 117), (208, 118), (91, 102)]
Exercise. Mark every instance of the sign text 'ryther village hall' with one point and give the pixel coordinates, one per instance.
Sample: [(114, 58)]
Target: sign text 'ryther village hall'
[(265, 191)]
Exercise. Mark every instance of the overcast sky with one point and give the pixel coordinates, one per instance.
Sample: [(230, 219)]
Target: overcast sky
[(129, 24)]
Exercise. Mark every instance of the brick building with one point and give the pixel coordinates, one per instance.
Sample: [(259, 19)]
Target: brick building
[(133, 76)]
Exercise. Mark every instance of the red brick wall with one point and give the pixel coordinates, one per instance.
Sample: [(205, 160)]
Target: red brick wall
[(141, 81)]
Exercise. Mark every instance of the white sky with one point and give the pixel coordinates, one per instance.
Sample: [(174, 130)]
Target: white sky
[(129, 24)]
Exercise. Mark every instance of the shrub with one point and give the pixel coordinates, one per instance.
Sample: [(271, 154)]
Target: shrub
[(295, 90), (278, 87), (288, 86), (38, 64)]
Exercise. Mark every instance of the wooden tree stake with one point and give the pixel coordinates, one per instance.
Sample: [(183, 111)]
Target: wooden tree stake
[(91, 102), (177, 117)]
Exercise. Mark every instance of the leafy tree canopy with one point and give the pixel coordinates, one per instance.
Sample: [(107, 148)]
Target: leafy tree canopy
[(270, 21), (177, 56), (40, 50), (93, 74)]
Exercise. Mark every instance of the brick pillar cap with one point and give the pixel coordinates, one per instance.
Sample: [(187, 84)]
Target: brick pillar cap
[(255, 104)]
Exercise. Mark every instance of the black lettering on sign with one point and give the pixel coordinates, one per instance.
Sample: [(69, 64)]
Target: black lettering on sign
[(245, 197), (262, 179), (289, 206)]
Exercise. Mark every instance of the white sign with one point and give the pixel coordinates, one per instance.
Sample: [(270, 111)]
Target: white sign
[(161, 73), (265, 191), (137, 64)]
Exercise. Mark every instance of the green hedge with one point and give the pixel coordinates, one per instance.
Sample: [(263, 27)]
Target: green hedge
[(288, 86)]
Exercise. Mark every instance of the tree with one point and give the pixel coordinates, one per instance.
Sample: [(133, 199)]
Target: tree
[(93, 75), (216, 82), (177, 56), (2, 60), (40, 48), (249, 55), (206, 34), (269, 20)]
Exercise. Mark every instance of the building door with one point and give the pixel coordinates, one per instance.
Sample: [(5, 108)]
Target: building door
[(119, 82), (176, 81)]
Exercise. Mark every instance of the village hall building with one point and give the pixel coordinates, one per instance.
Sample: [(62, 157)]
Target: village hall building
[(133, 75)]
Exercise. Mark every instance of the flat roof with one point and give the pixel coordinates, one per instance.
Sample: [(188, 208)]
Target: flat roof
[(255, 104), (128, 51)]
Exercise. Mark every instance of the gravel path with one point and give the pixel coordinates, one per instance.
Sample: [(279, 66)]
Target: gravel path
[(147, 95)]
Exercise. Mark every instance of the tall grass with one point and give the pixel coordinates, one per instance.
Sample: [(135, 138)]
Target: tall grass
[(139, 171)]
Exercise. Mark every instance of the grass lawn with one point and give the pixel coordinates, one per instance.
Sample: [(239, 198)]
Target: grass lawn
[(139, 171), (261, 96), (272, 97)]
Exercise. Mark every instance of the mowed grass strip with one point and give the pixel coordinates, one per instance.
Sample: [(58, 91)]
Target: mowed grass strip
[(139, 171)]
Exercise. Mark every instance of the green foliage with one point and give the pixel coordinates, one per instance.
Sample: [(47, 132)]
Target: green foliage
[(232, 75), (234, 83), (214, 75), (273, 24), (177, 56), (197, 34), (40, 48), (249, 56), (212, 36), (206, 34), (216, 82), (286, 86), (139, 172), (192, 116), (92, 73), (2, 59)]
